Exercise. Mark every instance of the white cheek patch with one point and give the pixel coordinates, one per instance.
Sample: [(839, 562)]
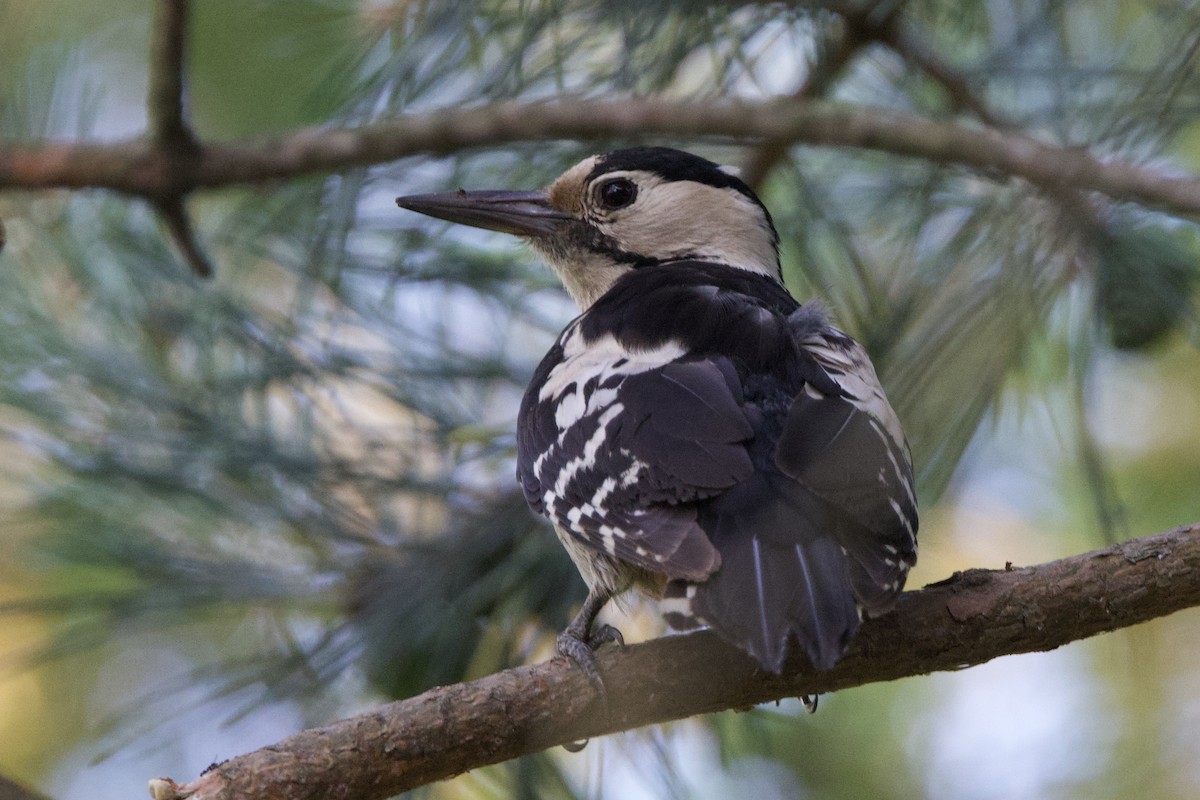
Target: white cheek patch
[(671, 219)]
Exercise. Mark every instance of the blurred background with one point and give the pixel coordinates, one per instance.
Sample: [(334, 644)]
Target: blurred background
[(236, 507)]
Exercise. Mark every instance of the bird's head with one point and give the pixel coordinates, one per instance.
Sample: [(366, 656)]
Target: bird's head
[(625, 210)]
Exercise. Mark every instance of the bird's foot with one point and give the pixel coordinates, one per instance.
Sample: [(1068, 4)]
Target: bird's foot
[(582, 650), (579, 642), (810, 702)]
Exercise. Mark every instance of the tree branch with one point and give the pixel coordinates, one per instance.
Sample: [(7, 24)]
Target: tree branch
[(136, 168), (968, 619)]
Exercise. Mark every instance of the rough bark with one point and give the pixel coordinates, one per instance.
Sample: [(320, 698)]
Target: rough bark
[(968, 619)]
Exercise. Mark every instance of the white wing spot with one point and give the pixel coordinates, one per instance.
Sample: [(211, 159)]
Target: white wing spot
[(598, 358), (570, 410)]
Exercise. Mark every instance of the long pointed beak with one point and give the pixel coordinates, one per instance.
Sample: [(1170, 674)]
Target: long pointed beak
[(518, 213)]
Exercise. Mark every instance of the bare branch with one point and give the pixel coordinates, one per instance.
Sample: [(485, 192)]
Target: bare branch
[(971, 618), (136, 168)]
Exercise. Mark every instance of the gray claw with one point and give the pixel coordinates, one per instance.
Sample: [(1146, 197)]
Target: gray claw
[(581, 653), (604, 634)]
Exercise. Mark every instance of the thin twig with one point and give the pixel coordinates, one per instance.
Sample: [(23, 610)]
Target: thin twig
[(891, 31), (971, 618), (179, 226), (164, 101), (898, 35), (838, 48)]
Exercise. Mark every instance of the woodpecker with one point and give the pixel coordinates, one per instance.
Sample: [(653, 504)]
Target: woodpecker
[(696, 434)]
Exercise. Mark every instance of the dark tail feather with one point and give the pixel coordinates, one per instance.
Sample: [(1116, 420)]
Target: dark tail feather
[(778, 584), (878, 564)]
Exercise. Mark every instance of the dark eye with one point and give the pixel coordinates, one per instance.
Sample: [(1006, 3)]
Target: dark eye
[(617, 193)]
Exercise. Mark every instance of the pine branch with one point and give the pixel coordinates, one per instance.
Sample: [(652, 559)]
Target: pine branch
[(136, 168), (891, 31), (1087, 214), (966, 620), (838, 50)]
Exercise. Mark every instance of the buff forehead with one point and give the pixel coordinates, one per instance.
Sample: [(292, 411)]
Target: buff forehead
[(566, 193)]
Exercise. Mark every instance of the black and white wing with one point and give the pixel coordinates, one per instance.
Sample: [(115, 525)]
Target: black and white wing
[(616, 445)]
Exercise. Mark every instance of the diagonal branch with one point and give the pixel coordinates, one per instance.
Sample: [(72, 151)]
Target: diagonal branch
[(136, 168), (971, 618), (891, 32)]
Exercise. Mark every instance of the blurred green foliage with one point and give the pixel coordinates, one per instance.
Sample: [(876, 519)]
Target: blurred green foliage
[(296, 478)]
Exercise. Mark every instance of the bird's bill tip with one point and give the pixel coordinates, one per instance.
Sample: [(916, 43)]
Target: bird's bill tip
[(519, 213)]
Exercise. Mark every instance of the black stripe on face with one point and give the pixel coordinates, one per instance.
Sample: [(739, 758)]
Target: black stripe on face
[(587, 236)]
